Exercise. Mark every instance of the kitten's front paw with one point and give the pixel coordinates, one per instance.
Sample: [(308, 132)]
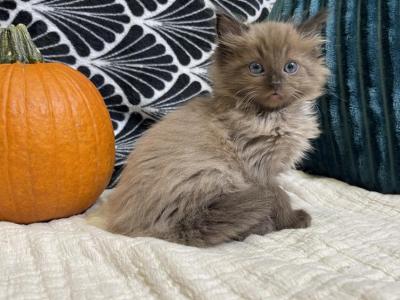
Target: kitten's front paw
[(302, 219)]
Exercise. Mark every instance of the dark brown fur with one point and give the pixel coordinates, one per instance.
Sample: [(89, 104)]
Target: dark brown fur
[(207, 173)]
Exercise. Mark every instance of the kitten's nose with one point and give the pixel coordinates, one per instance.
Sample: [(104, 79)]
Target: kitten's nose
[(276, 84)]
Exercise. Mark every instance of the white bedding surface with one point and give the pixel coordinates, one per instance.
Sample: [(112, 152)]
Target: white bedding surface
[(352, 251)]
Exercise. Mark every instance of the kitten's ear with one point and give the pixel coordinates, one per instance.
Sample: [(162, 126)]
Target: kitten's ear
[(315, 24), (229, 26)]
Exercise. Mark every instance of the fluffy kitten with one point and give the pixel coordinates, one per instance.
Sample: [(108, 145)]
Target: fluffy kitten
[(206, 173)]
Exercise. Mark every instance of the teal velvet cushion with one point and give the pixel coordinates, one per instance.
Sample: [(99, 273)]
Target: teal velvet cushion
[(360, 114)]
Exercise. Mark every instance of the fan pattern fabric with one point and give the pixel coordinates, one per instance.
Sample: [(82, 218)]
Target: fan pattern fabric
[(145, 56)]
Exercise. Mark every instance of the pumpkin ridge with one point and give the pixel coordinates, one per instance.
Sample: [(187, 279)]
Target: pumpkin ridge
[(39, 70), (99, 105), (28, 134), (1, 74), (6, 134), (71, 115), (2, 216), (78, 89)]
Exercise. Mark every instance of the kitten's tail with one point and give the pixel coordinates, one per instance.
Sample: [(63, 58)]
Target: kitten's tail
[(97, 218), (96, 215)]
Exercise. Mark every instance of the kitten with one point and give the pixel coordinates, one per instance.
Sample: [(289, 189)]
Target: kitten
[(207, 173)]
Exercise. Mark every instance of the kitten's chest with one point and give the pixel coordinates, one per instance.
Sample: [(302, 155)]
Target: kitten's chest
[(266, 147)]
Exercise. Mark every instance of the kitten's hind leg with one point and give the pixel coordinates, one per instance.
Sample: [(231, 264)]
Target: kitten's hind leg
[(285, 216), (226, 217)]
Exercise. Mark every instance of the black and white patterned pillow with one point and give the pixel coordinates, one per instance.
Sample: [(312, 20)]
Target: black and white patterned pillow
[(145, 56)]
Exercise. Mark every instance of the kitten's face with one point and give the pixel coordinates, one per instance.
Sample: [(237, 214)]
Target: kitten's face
[(270, 64)]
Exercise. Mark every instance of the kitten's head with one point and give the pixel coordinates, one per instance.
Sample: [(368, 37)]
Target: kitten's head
[(270, 64)]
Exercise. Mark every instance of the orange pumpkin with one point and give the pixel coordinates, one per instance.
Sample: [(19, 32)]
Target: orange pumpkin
[(56, 137)]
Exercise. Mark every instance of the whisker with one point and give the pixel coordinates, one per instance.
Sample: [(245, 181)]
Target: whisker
[(248, 100)]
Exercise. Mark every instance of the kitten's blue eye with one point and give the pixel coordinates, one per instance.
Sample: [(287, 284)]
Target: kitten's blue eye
[(291, 67), (256, 68)]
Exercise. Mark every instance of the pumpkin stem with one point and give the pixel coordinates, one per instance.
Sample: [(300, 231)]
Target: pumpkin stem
[(16, 45)]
